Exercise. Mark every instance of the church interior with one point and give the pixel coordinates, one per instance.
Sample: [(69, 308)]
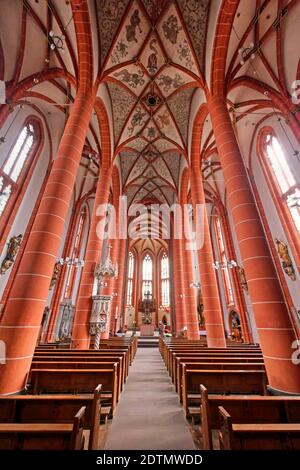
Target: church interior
[(149, 225)]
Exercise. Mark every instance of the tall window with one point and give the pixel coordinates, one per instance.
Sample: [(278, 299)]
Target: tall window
[(223, 260), (147, 276), (288, 189), (165, 281), (75, 254), (11, 170), (130, 274)]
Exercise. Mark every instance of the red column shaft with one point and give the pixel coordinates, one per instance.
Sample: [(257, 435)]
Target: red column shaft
[(22, 317), (178, 286), (80, 334), (109, 289), (212, 307), (273, 322), (118, 300), (189, 293), (236, 283)]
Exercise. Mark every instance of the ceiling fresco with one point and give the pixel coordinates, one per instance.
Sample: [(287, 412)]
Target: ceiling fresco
[(152, 54)]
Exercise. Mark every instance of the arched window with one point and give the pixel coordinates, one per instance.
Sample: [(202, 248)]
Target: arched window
[(165, 281), (147, 276), (285, 184), (130, 274), (12, 171), (75, 254), (223, 260)]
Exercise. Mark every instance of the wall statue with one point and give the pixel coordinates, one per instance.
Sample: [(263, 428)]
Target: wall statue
[(66, 310), (12, 249), (286, 262), (56, 271), (243, 279)]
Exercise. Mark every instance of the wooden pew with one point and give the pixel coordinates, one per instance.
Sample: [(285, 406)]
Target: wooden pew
[(207, 351), (214, 366), (178, 359), (108, 357), (54, 409), (87, 354), (245, 409), (222, 382), (262, 436), (80, 365), (165, 347), (43, 436), (76, 381)]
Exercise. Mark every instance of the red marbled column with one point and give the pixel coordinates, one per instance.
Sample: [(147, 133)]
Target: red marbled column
[(81, 335), (180, 312), (273, 322), (22, 317), (212, 306), (189, 292)]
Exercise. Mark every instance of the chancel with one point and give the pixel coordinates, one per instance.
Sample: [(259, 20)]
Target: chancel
[(149, 225)]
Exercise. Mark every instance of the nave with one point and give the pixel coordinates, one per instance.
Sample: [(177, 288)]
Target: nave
[(149, 187), (149, 416), (171, 394)]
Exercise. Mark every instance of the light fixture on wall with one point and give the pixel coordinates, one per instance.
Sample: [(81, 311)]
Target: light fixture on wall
[(76, 262), (196, 285), (226, 265), (293, 200)]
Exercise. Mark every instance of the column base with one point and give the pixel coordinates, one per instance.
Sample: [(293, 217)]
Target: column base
[(276, 392)]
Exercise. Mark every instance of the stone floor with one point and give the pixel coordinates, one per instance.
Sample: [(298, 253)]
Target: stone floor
[(148, 416)]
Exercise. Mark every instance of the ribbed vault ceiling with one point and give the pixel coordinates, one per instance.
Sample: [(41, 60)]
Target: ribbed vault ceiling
[(152, 54)]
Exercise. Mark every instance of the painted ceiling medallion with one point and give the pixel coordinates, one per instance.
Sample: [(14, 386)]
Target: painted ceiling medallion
[(152, 100)]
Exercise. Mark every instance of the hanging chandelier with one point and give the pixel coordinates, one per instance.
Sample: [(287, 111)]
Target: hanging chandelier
[(226, 265)]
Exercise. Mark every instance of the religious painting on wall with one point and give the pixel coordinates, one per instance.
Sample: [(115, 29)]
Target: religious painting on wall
[(12, 249), (286, 261)]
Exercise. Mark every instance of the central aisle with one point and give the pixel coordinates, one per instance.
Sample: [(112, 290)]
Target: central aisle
[(148, 416)]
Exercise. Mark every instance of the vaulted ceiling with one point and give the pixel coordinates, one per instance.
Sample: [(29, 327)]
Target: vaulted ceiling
[(152, 54), (152, 59)]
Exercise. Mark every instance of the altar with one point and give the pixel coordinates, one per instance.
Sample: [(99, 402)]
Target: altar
[(147, 330), (147, 306)]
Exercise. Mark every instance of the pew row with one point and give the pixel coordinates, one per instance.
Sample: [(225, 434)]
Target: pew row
[(54, 409), (245, 409), (43, 436), (225, 382), (253, 436), (76, 381), (239, 366)]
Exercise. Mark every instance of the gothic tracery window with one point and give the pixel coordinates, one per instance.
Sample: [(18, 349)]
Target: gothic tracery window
[(76, 253), (165, 281), (147, 275), (287, 187), (130, 274), (12, 170), (223, 260)]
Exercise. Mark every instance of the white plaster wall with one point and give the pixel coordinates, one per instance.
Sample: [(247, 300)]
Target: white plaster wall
[(248, 302), (269, 205), (28, 202)]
